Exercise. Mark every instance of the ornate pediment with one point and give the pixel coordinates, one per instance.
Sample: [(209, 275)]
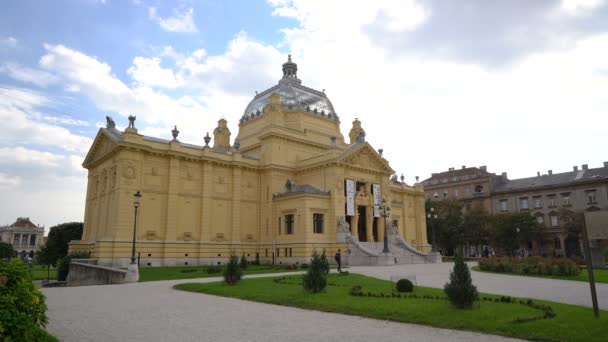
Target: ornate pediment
[(365, 157), (102, 146)]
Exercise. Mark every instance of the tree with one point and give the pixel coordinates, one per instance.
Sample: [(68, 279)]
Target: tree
[(233, 271), (315, 279), (448, 225), (573, 221), (58, 239), (512, 229), (476, 226), (460, 290), (6, 250)]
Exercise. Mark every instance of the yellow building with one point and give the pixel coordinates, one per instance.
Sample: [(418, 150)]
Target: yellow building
[(288, 185)]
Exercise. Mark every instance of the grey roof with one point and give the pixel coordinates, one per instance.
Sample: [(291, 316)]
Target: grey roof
[(293, 188), (293, 96), (556, 179)]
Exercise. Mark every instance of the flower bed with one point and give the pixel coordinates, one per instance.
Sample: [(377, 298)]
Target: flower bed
[(531, 265)]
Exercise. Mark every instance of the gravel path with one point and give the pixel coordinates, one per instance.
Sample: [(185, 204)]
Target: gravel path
[(436, 275), (153, 311)]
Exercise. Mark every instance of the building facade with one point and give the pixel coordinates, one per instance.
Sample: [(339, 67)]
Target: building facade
[(584, 189), (25, 236), (289, 184)]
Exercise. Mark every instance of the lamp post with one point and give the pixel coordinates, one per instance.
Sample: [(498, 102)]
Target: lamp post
[(431, 215), (136, 203), (385, 211)]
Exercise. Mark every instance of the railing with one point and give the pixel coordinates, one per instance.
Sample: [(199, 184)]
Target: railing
[(24, 246)]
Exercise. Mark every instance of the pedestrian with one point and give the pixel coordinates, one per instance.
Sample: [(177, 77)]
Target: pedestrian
[(338, 258)]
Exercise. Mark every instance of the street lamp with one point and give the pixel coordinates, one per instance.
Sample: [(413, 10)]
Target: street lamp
[(136, 203), (432, 215), (385, 211)]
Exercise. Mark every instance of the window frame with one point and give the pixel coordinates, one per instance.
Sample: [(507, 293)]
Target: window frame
[(318, 223), (289, 224)]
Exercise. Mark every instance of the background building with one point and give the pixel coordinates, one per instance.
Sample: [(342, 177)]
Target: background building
[(25, 236), (471, 185), (288, 185)]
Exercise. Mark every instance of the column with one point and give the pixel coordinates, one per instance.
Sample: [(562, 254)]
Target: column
[(354, 228), (369, 217), (172, 206), (236, 204), (206, 202)]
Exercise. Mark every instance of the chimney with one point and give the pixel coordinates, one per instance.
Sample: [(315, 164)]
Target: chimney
[(550, 172), (537, 173), (585, 167), (504, 176), (464, 166), (451, 169), (575, 169), (483, 168), (605, 164)]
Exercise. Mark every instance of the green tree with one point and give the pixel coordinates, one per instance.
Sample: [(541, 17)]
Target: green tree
[(460, 290), (510, 230), (58, 239), (315, 279), (6, 250), (233, 271), (476, 223), (573, 221), (448, 225), (243, 262)]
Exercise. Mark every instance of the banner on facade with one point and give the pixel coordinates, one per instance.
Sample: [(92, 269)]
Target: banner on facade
[(376, 194), (597, 224), (350, 197)]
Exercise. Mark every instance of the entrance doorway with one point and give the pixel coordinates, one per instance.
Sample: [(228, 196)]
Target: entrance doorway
[(375, 229), (361, 226)]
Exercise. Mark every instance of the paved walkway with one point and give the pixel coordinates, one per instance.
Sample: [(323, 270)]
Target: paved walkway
[(153, 311), (436, 275)]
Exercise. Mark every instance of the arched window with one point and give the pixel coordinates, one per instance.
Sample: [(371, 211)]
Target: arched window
[(478, 188)]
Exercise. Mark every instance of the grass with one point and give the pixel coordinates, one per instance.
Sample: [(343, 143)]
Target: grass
[(191, 272), (39, 272), (600, 275), (571, 323)]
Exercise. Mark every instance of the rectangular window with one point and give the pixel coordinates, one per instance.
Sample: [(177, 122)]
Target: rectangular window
[(278, 252), (455, 192), (317, 223), (290, 251), (591, 196), (266, 250), (540, 219), (436, 194), (17, 239), (286, 254), (32, 240), (566, 199), (279, 226), (537, 202), (289, 224), (503, 205), (445, 194), (553, 220), (524, 203), (551, 202)]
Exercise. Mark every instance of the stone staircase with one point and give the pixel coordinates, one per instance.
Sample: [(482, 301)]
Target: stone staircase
[(370, 253)]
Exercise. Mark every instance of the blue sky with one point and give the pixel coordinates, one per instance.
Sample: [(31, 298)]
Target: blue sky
[(518, 86)]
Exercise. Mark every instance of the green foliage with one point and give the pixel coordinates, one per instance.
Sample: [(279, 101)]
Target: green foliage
[(573, 221), (356, 290), (22, 304), (58, 239), (304, 266), (448, 224), (460, 290), (476, 225), (233, 272), (63, 266), (6, 250), (243, 262), (212, 269), (404, 285), (315, 279), (531, 266), (505, 232)]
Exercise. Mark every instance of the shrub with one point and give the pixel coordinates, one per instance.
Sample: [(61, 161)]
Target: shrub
[(6, 250), (405, 285), (211, 269), (315, 279), (304, 266), (63, 266), (233, 272), (460, 290), (243, 262), (356, 290), (22, 304), (188, 270), (532, 265)]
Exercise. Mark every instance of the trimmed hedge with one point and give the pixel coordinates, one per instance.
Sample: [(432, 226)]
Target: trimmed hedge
[(404, 285), (531, 265)]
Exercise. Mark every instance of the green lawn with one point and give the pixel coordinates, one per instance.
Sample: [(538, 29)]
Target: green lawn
[(601, 275), (571, 323), (39, 272), (191, 272)]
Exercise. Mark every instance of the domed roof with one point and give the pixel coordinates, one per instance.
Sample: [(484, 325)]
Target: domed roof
[(293, 96)]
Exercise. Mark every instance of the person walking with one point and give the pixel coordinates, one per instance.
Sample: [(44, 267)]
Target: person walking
[(338, 258)]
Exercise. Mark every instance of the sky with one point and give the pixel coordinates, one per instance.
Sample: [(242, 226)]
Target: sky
[(519, 86)]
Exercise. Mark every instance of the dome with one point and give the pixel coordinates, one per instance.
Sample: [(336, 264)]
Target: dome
[(293, 96)]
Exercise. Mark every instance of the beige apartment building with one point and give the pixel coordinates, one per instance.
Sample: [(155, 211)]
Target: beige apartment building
[(25, 236)]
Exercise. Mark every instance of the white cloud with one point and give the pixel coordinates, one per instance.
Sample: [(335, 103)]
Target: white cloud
[(148, 72), (9, 42), (7, 181), (26, 74), (180, 21)]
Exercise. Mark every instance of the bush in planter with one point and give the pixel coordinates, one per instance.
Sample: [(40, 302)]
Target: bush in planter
[(63, 265), (22, 305), (404, 285), (214, 269), (315, 279), (233, 272), (460, 290)]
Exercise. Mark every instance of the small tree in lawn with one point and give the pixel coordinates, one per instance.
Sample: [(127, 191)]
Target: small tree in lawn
[(6, 251), (315, 278), (233, 271), (243, 262), (460, 290)]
